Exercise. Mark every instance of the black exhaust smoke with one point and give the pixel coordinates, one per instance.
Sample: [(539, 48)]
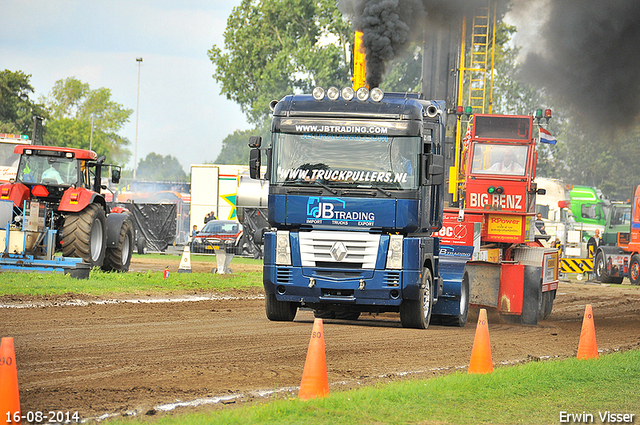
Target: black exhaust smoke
[(389, 25), (590, 60)]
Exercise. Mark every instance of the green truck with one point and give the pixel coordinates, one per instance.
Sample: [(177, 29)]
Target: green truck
[(589, 207)]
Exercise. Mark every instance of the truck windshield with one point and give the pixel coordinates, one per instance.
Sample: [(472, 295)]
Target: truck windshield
[(47, 170), (489, 158), (346, 160)]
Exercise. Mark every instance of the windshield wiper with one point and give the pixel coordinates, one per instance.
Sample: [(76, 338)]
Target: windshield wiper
[(330, 189), (386, 192)]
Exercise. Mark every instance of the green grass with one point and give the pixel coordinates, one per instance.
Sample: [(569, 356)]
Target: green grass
[(533, 393), (100, 283)]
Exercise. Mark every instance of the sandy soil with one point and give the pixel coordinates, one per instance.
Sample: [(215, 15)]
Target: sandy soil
[(140, 357)]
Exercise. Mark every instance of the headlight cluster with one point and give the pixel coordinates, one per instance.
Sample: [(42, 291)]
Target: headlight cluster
[(283, 248), (347, 93), (394, 254)]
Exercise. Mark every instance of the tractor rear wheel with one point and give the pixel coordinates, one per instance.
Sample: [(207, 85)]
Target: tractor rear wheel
[(118, 259), (84, 235)]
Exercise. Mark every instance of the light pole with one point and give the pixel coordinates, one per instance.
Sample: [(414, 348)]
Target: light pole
[(135, 148)]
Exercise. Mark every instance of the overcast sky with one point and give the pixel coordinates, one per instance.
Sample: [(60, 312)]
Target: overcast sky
[(181, 110)]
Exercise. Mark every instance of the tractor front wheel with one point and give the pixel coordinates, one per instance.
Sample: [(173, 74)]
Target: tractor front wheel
[(84, 235), (118, 259)]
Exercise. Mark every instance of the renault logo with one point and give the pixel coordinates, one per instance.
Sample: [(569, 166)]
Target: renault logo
[(338, 251)]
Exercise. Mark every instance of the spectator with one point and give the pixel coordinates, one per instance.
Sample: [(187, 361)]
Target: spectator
[(593, 244), (209, 217), (540, 224)]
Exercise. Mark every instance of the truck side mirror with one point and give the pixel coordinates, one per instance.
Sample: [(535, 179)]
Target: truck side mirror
[(255, 157), (115, 175), (255, 141)]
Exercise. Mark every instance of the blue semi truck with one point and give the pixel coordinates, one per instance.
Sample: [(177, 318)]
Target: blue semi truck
[(356, 186)]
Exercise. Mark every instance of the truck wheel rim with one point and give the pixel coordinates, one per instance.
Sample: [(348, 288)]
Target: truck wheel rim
[(635, 270), (426, 297)]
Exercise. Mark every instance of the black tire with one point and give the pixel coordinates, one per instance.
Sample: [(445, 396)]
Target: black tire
[(280, 311), (417, 313), (600, 270), (461, 319), (84, 235), (634, 269), (118, 259), (546, 304), (141, 245)]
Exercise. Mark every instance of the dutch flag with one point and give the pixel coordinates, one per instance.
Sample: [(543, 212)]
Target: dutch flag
[(546, 137)]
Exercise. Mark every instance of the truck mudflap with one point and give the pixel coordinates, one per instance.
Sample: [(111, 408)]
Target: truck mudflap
[(512, 289), (72, 266)]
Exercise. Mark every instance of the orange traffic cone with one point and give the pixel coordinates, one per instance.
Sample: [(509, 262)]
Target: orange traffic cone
[(315, 382), (481, 361), (9, 396), (587, 347)]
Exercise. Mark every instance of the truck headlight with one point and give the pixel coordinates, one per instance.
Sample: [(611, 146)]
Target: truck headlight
[(394, 254), (283, 248)]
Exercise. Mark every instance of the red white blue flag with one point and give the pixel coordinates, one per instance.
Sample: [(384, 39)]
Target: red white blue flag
[(546, 137)]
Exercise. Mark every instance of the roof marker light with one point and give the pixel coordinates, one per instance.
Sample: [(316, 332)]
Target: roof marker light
[(348, 93), (333, 93), (376, 94), (318, 93), (362, 94)]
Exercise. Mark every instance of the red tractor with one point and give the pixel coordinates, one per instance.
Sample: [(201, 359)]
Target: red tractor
[(64, 186)]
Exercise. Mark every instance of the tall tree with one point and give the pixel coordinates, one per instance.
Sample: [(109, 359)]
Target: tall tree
[(16, 108), (156, 167), (277, 47), (235, 148), (74, 107)]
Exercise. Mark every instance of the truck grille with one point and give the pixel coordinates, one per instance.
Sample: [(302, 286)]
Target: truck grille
[(338, 249)]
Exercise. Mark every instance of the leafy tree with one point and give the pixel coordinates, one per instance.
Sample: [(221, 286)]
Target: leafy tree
[(405, 72), (235, 148), (73, 105), (160, 168), (277, 47), (16, 108)]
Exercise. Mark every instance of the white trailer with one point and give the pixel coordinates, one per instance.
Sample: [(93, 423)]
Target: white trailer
[(214, 189), (8, 158)]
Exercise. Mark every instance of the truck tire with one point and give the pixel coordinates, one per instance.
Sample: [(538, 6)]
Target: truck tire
[(417, 313), (600, 270), (118, 259), (84, 235), (280, 311), (546, 304), (461, 319), (634, 269), (141, 245)]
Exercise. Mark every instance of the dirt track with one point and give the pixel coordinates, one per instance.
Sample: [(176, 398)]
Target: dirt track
[(126, 357)]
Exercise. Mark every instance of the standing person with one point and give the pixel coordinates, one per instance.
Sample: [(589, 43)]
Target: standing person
[(194, 232), (593, 244), (540, 224), (592, 247)]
